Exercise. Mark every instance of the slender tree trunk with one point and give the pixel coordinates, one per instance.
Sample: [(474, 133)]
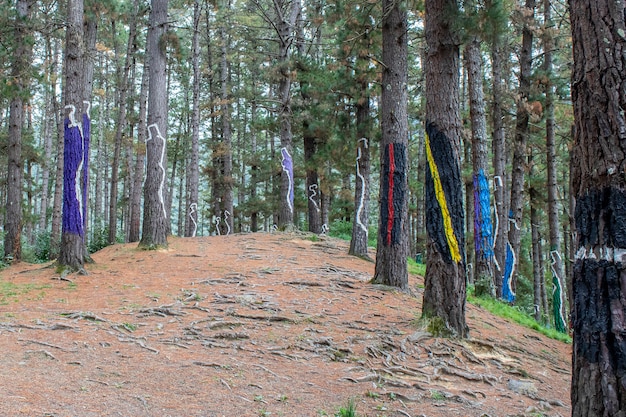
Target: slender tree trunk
[(193, 172), (358, 243), (120, 127), (20, 81), (90, 31), (598, 182), (483, 226), (285, 25), (393, 236), (227, 137), (498, 146), (444, 293), (48, 130), (521, 138), (155, 216), (536, 254), (360, 226), (556, 258), (140, 158)]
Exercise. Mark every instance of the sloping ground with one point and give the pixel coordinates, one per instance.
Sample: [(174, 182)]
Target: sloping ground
[(255, 325)]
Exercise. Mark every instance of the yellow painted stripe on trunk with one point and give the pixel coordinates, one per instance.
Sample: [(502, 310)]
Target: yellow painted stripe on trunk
[(453, 244)]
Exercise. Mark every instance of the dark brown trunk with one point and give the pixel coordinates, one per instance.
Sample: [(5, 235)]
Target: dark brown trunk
[(155, 215), (445, 280), (20, 93), (393, 235), (598, 183)]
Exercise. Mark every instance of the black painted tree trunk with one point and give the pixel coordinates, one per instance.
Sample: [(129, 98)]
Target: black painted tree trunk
[(599, 184), (393, 236), (445, 280)]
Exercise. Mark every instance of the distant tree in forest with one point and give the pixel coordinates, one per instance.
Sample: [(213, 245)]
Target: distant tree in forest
[(20, 94), (599, 185), (393, 230)]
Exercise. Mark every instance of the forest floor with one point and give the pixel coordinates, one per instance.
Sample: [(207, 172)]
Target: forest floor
[(255, 325)]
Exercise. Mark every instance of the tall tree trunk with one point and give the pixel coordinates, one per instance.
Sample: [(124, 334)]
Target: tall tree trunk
[(227, 137), (286, 15), (90, 29), (358, 242), (48, 133), (537, 252), (393, 235), (20, 94), (598, 182), (155, 216), (72, 251), (360, 225), (556, 258), (120, 126), (483, 227), (140, 158), (498, 146), (444, 293), (519, 149), (193, 173)]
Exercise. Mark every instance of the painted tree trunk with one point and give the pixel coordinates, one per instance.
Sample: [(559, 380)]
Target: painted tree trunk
[(314, 208), (483, 226), (358, 242), (227, 138), (498, 147), (393, 231), (287, 13), (155, 216), (598, 159), (193, 170), (444, 293), (20, 91), (71, 255), (519, 149), (556, 259)]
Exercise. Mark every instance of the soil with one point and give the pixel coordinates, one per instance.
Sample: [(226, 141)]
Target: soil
[(256, 325)]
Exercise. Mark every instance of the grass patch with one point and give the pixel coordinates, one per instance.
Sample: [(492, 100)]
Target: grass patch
[(415, 268), (10, 292), (513, 313)]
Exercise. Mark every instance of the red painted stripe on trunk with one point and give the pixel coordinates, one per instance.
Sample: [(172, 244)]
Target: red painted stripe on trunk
[(392, 168)]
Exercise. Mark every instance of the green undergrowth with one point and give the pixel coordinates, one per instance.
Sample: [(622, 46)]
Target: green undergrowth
[(10, 292), (507, 311)]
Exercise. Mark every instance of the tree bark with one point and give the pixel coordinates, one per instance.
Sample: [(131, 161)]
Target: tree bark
[(483, 227), (72, 251), (556, 258), (226, 150), (598, 386), (193, 171), (140, 158), (521, 137), (393, 235), (498, 146), (444, 293), (155, 216), (20, 94), (598, 182), (286, 15)]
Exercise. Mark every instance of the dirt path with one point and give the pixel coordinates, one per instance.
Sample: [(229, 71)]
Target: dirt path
[(255, 325)]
